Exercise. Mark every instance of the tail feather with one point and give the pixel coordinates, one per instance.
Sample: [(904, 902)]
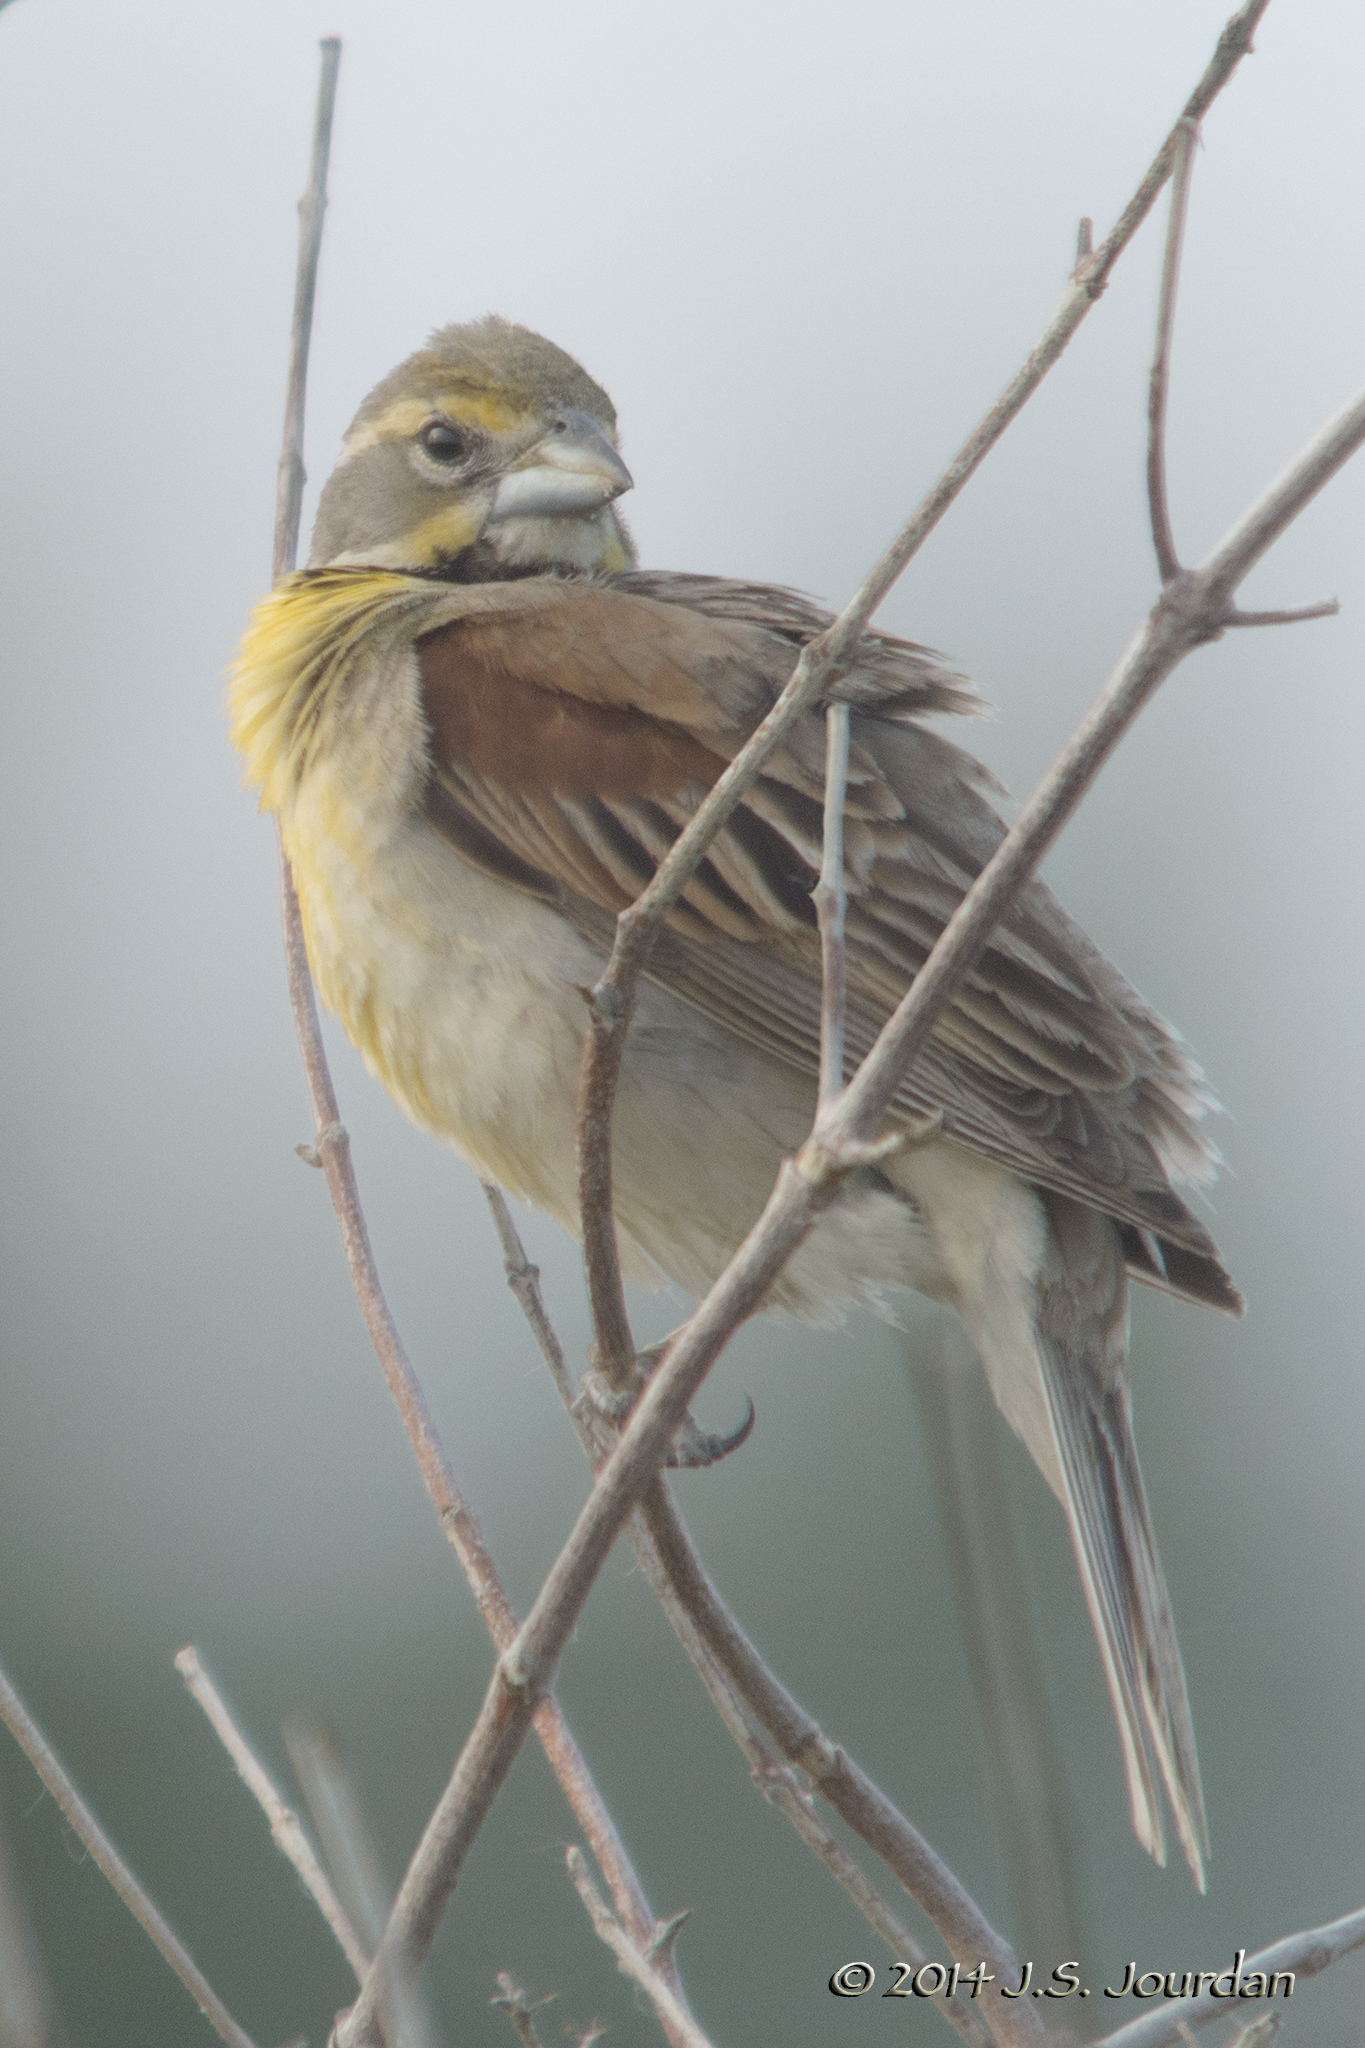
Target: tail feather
[(1081, 1337)]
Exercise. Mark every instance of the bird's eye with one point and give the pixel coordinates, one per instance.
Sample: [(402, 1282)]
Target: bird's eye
[(442, 442)]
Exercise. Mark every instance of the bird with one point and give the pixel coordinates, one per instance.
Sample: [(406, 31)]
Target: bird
[(481, 726)]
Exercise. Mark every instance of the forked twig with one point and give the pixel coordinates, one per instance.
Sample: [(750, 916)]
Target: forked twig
[(764, 1720), (612, 1000), (629, 1959), (1189, 612), (286, 1828), (741, 1686), (105, 1856), (1167, 561), (1158, 505), (1302, 1955)]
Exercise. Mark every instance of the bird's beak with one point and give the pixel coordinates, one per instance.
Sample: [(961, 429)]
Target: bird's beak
[(573, 468)]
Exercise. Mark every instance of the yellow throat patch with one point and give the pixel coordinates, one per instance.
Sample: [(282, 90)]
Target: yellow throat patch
[(298, 642)]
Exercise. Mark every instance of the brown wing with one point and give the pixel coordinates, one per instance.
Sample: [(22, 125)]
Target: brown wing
[(576, 726)]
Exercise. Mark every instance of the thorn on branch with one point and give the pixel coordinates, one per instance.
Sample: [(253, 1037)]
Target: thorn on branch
[(666, 1933), (1085, 242)]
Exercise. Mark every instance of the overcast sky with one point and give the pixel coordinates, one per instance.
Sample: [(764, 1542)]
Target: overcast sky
[(803, 248)]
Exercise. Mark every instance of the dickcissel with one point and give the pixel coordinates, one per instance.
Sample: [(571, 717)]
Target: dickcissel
[(481, 727)]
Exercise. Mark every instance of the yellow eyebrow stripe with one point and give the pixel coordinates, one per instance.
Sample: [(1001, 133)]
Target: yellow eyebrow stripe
[(472, 407)]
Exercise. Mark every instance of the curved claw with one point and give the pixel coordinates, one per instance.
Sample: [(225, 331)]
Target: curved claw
[(693, 1448)]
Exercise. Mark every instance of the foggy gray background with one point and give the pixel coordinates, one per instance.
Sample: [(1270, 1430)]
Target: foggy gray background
[(803, 248)]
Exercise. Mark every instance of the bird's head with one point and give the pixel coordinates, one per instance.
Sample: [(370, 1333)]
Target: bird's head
[(488, 453)]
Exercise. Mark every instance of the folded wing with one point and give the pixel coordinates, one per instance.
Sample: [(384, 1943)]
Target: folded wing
[(575, 728)]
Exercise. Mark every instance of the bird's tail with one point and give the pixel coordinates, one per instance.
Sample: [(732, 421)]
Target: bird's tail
[(1081, 1338)]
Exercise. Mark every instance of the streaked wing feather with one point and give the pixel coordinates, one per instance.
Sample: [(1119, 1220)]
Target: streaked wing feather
[(579, 725)]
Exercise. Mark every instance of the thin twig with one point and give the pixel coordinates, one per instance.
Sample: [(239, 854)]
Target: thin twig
[(741, 1686), (1326, 608), (834, 1773), (1189, 612), (751, 1701), (611, 1002), (285, 1826), (524, 1280), (630, 1961), (105, 1856), (354, 1864), (1257, 2033), (28, 2011), (519, 2009), (342, 1835), (332, 1153), (1302, 1955), (830, 897), (959, 1422), (1167, 561), (312, 211)]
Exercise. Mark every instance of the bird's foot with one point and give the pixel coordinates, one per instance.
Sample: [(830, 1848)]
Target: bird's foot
[(607, 1408)]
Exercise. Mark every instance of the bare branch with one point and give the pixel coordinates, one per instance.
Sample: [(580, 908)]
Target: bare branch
[(332, 1153), (28, 2012), (680, 2023), (836, 1776), (741, 1685), (830, 896), (83, 1824), (1302, 1955), (959, 1421), (524, 1280), (350, 1853), (609, 1016), (612, 1000), (285, 1825), (745, 1693), (1167, 561), (1188, 613), (312, 210)]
